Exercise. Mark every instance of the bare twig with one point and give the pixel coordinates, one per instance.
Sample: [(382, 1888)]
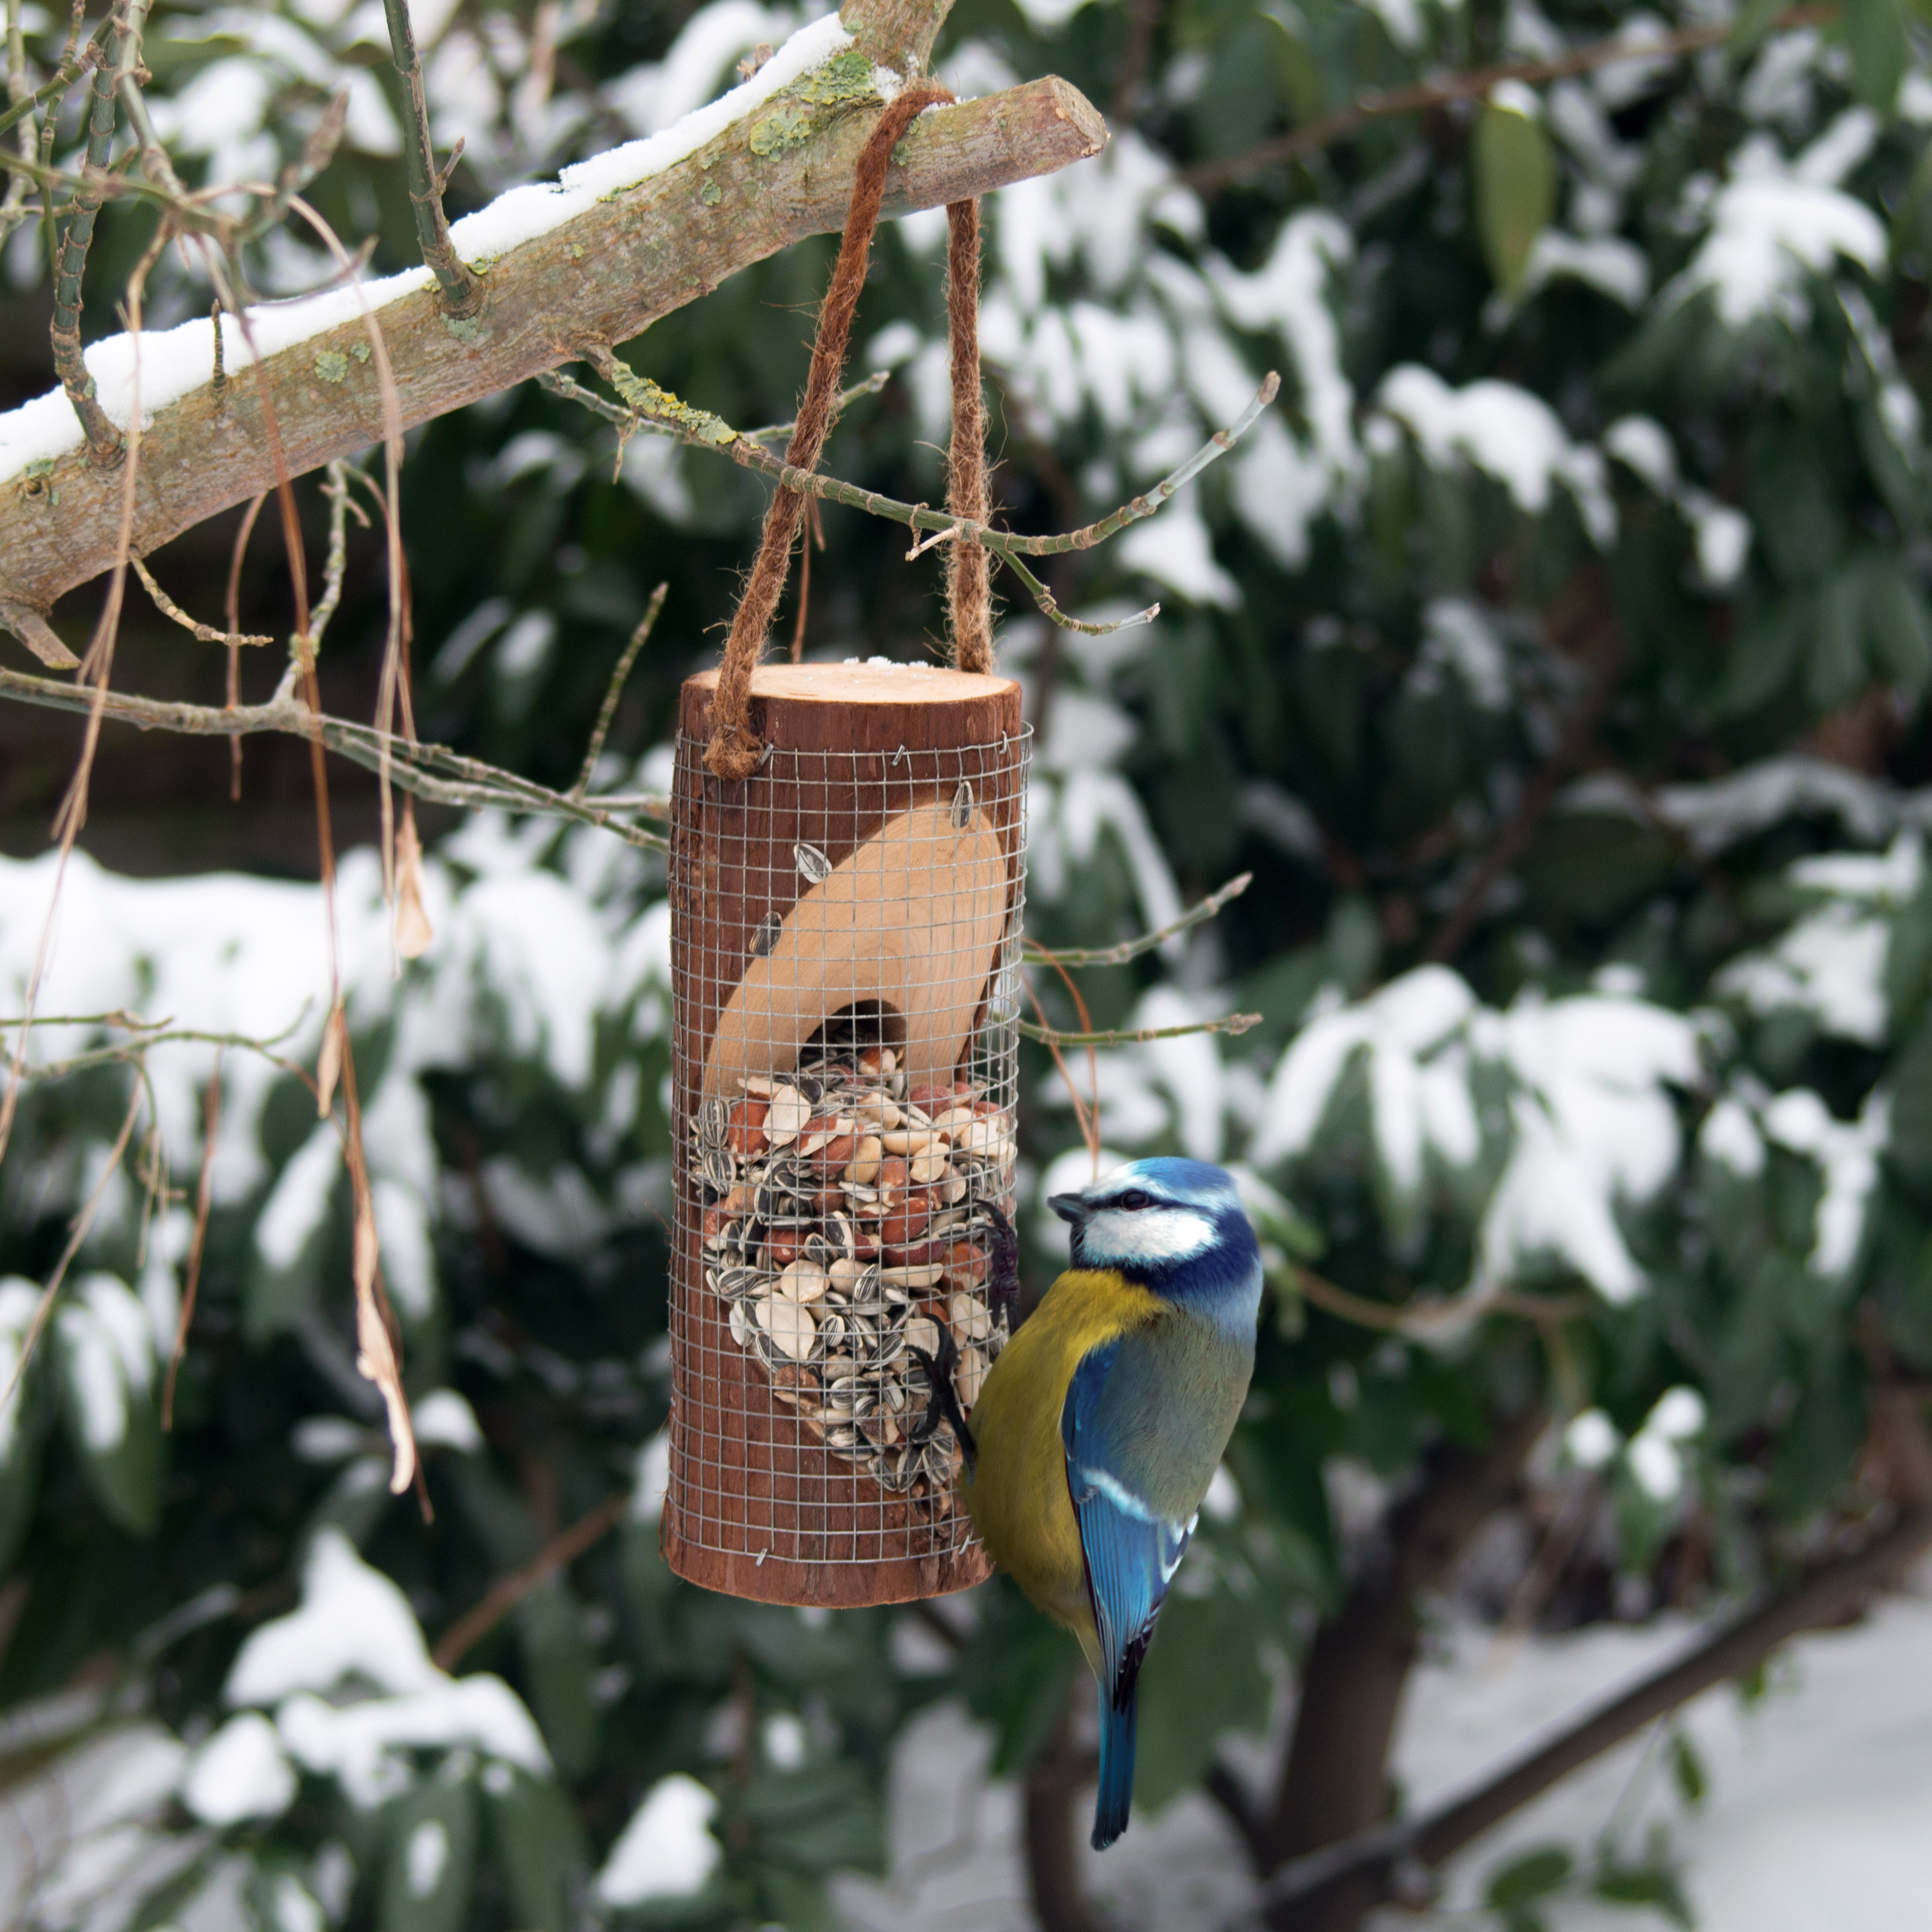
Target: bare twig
[(432, 772), (462, 289), (1086, 1114), (103, 439), (649, 406), (77, 1234), (231, 609), (507, 1592), (1233, 1024), (1440, 91), (168, 607), (1133, 949), (601, 730), (211, 1123)]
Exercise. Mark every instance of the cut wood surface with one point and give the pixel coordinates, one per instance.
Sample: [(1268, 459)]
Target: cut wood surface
[(756, 1507), (606, 274)]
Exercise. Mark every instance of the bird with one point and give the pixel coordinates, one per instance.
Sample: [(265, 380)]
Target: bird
[(1102, 1423)]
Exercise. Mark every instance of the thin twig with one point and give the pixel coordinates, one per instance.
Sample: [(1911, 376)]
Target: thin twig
[(232, 610), (77, 1234), (1423, 96), (652, 407), (1087, 1121), (103, 439), (1232, 1024), (470, 784), (211, 1123), (462, 289), (1133, 949), (507, 1592), (601, 730), (168, 607), (783, 432)]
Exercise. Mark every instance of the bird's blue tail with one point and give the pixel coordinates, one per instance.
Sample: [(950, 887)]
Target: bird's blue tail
[(1117, 1768)]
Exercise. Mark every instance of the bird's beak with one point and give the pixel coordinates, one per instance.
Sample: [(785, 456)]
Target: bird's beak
[(1070, 1207)]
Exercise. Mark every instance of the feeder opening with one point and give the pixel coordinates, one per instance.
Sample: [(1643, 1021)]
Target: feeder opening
[(864, 1023)]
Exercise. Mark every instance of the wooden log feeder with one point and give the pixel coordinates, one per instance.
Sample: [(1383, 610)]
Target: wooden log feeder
[(844, 970)]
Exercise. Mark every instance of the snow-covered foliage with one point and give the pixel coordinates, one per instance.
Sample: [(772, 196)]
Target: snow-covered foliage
[(1554, 654)]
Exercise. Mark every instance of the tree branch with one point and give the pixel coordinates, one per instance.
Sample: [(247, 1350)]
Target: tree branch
[(1370, 1860), (432, 772), (609, 270), (1439, 91), (462, 289), (507, 1592)]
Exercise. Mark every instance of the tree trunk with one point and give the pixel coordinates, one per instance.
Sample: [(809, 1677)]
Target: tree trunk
[(1057, 1781), (1335, 1780)]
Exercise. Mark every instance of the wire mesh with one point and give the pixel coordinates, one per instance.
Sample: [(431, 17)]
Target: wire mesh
[(846, 954)]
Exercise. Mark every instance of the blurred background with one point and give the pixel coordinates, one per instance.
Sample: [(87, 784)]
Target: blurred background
[(1553, 655)]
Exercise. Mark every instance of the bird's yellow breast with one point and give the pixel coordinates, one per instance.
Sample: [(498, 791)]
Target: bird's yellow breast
[(1017, 1495)]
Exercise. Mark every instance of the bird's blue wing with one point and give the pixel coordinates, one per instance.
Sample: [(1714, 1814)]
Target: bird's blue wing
[(1132, 1552)]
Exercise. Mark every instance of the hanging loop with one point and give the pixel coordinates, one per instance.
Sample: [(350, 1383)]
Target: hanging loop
[(735, 751)]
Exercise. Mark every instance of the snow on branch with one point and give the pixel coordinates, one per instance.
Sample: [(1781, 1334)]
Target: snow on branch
[(621, 240)]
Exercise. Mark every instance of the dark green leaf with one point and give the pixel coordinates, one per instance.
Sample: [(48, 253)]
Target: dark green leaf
[(1534, 1875), (1515, 187), (432, 1852)]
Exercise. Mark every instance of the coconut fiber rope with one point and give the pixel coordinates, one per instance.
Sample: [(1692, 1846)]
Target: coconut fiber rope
[(735, 748)]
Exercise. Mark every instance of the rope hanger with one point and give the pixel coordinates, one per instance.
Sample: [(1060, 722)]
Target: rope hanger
[(735, 748)]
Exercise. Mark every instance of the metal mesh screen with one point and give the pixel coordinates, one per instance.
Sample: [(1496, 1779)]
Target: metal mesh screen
[(846, 953)]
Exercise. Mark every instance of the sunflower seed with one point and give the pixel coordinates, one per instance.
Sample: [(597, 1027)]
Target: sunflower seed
[(765, 936), (962, 804)]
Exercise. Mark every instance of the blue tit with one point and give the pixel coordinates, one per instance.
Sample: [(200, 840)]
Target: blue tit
[(1103, 1421)]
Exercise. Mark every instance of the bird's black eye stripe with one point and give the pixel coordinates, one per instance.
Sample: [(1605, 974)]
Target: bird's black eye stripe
[(1134, 1201)]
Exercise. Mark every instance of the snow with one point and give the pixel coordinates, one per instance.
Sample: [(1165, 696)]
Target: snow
[(667, 1850), (175, 362), (1848, 1152), (242, 1772), (363, 1746), (1717, 815), (106, 1356), (1816, 1814), (1611, 266), (1831, 965), (1595, 1123), (354, 1627), (19, 1298), (1416, 1075), (1175, 549), (1456, 636), (1506, 433), (1722, 533), (653, 1479), (1065, 821), (353, 1623), (425, 1857), (1591, 1440), (294, 1210), (1729, 1136), (1773, 222), (442, 1419)]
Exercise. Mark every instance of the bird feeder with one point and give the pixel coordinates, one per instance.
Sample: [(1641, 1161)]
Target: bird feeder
[(845, 957)]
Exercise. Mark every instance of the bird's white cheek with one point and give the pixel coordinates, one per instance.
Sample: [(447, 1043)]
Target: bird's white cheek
[(1151, 1234)]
